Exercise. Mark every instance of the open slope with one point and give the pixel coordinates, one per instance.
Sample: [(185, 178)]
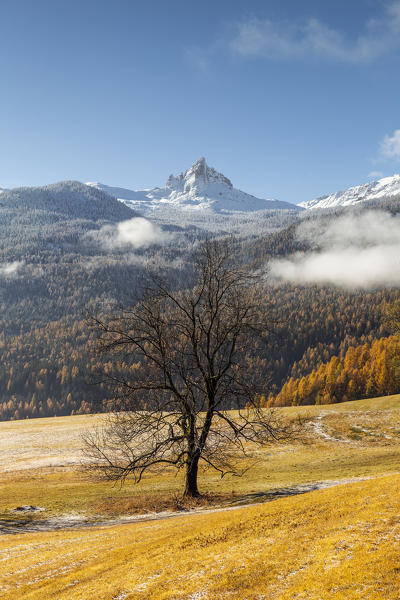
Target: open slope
[(335, 544), (339, 543), (40, 463)]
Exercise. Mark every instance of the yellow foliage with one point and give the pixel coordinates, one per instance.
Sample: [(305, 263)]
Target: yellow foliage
[(364, 371)]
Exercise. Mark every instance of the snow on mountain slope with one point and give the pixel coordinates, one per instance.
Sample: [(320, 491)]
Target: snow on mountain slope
[(200, 188), (120, 193), (375, 190), (69, 199)]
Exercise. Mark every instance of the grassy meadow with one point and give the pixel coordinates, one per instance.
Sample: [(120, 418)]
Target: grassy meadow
[(342, 542), (40, 462)]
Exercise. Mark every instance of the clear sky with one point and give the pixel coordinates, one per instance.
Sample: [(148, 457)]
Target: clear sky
[(289, 99)]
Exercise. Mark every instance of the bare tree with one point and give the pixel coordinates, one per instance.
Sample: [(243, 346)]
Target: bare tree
[(189, 350)]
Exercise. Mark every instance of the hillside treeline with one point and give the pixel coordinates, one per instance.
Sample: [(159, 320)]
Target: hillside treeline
[(50, 370), (365, 371)]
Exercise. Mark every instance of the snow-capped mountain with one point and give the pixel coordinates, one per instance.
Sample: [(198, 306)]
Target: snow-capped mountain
[(375, 190), (200, 188)]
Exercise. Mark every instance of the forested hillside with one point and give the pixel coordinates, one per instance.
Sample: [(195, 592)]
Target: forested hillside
[(48, 370), (58, 260), (67, 199), (365, 371)]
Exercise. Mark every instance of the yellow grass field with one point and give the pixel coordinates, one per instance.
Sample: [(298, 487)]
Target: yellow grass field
[(342, 542), (339, 543), (40, 462)]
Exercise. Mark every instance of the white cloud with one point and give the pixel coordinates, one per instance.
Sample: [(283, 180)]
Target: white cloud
[(139, 233), (10, 269), (355, 251), (350, 268), (135, 233), (390, 146), (375, 174), (271, 40)]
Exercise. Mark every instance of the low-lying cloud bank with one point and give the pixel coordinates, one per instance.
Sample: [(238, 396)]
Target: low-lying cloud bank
[(354, 251), (10, 269), (134, 233)]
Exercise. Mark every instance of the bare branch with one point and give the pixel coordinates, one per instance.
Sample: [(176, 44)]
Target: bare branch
[(186, 367)]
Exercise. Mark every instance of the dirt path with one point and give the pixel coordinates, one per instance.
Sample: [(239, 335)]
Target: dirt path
[(320, 431), (27, 525)]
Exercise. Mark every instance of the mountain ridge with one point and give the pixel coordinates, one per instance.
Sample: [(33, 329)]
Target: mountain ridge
[(387, 187), (67, 199), (199, 188)]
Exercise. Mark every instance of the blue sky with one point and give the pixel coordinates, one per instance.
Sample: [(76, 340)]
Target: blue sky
[(289, 99)]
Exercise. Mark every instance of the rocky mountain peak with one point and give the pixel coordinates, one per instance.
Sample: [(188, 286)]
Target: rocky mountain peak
[(197, 176), (200, 188)]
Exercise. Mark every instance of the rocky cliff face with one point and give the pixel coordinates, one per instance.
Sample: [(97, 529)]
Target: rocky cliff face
[(196, 179)]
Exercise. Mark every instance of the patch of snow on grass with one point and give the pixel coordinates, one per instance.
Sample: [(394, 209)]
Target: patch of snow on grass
[(319, 430)]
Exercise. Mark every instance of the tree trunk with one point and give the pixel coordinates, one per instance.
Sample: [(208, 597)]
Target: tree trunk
[(192, 467)]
